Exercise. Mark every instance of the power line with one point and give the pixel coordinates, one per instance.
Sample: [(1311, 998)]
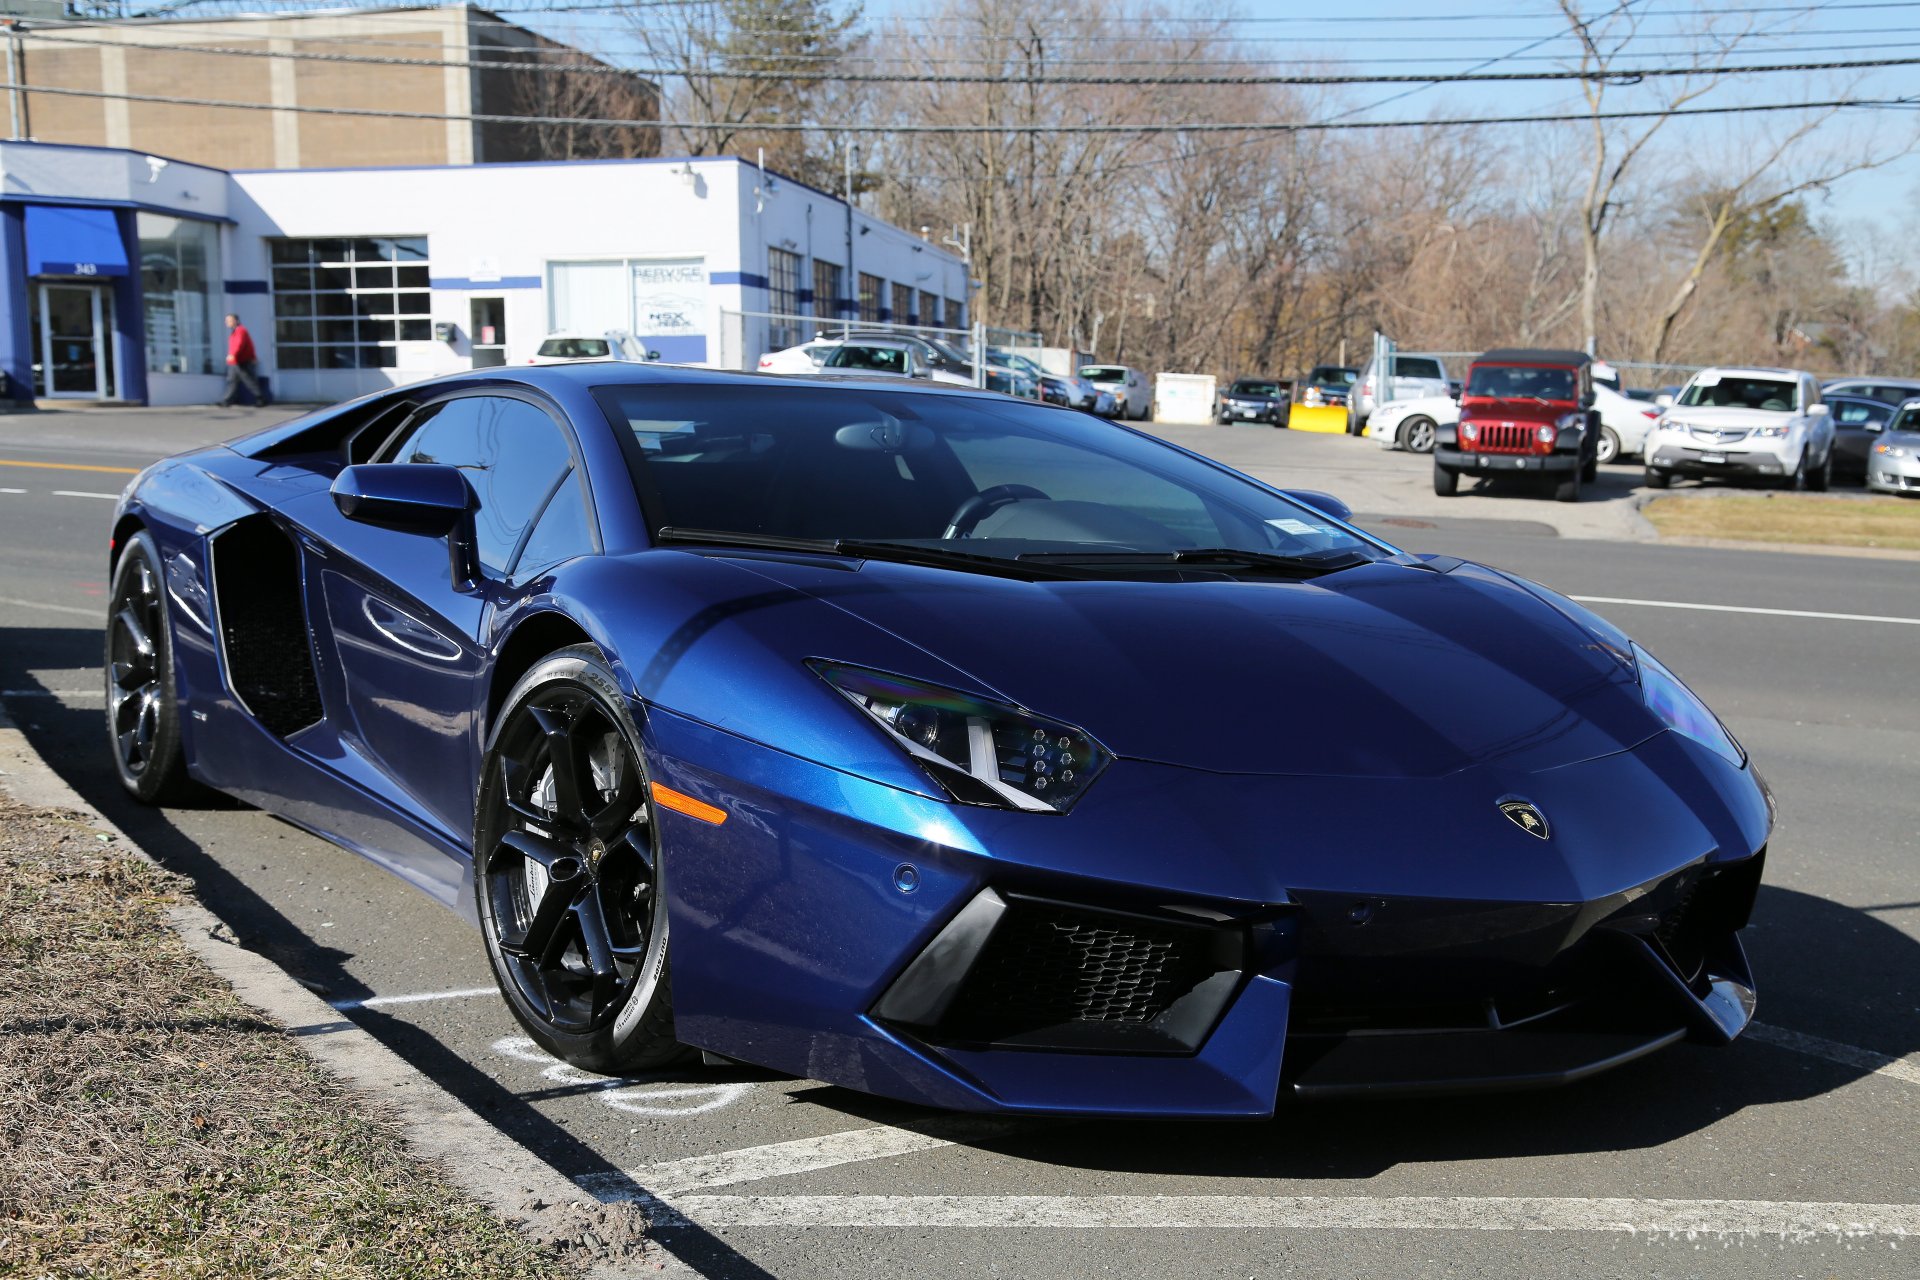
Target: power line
[(756, 127), (594, 67)]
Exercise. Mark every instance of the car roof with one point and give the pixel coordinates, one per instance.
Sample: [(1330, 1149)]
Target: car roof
[(1533, 355), (1748, 371), (1869, 380)]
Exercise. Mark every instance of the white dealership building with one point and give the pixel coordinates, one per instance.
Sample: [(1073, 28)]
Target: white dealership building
[(116, 267)]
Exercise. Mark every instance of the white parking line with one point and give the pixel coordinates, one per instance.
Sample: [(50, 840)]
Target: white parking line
[(12, 490), (418, 997), (1681, 1219), (52, 693), (1833, 1051), (803, 1155), (82, 493), (1740, 608), (98, 615)]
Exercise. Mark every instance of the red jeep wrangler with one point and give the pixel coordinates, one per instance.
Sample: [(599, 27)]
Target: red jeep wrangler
[(1523, 411)]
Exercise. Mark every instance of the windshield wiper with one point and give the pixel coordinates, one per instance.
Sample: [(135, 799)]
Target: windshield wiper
[(862, 549), (1320, 562)]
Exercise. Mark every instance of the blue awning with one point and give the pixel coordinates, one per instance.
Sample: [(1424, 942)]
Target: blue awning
[(64, 241)]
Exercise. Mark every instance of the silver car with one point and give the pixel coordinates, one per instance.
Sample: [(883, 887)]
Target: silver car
[(1412, 378), (1893, 465)]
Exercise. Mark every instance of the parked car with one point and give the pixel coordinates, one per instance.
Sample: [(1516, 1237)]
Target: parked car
[(1412, 425), (1129, 386), (1327, 384), (1254, 400), (1894, 391), (1894, 464), (1105, 404), (805, 358), (1858, 424), (1055, 390), (1625, 424), (984, 820), (1525, 411), (1766, 424), (1412, 378), (614, 344), (885, 359)]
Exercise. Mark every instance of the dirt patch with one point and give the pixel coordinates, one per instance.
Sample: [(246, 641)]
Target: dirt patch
[(152, 1124), (1830, 520)]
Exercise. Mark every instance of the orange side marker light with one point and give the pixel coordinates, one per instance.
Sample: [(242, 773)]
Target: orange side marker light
[(679, 802)]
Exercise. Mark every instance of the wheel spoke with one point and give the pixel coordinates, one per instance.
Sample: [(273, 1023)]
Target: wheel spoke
[(617, 812), (595, 941), (136, 633), (566, 753), (548, 853)]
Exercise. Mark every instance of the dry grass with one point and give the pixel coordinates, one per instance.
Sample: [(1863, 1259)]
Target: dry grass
[(152, 1125), (1825, 520)]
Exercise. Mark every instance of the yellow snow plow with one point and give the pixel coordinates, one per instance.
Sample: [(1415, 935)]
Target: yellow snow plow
[(1328, 418)]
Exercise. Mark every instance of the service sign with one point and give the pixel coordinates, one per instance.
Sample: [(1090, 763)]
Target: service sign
[(670, 306)]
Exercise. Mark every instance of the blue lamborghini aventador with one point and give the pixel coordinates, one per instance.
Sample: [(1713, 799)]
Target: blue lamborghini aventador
[(938, 744)]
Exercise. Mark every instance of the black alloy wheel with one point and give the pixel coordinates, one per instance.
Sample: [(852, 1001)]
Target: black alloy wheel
[(567, 871), (143, 717)]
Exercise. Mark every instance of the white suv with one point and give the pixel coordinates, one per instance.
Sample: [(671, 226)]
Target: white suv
[(1756, 423)]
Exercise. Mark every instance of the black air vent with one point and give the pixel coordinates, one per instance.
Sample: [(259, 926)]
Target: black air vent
[(263, 625)]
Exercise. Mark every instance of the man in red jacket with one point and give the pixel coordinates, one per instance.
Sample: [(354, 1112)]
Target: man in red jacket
[(240, 365)]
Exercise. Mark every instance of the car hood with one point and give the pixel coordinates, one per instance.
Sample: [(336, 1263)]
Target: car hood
[(1722, 417), (1383, 670), (1492, 409)]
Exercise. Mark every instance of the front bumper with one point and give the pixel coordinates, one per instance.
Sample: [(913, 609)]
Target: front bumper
[(1744, 460), (1893, 475), (1454, 458), (1249, 413), (1166, 950)]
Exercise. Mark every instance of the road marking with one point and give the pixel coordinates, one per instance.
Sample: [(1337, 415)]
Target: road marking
[(1656, 1219), (625, 1095), (1846, 1055), (1739, 608), (12, 490), (68, 466), (417, 997), (52, 693), (98, 615), (803, 1155), (82, 493)]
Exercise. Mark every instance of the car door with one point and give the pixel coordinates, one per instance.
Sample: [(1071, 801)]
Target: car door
[(1857, 423), (407, 636)]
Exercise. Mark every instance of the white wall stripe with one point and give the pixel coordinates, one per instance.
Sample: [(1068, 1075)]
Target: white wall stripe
[(1738, 608), (1833, 1051), (1688, 1219)]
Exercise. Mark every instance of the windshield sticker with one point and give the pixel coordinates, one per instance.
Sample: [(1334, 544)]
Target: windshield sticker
[(1287, 525)]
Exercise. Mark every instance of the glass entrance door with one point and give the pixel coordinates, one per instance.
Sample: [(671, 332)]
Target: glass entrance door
[(73, 338)]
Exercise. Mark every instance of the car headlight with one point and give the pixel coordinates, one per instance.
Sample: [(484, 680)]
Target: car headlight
[(981, 752), (1770, 433), (1545, 435), (1682, 711), (1891, 450), (1469, 432)]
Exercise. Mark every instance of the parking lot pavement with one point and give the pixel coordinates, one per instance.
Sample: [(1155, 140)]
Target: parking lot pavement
[(1794, 1152)]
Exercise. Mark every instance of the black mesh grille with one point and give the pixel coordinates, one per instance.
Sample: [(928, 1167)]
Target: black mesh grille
[(263, 625), (1048, 965)]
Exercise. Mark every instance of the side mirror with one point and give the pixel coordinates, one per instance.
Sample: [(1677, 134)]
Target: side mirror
[(1663, 400), (413, 497), (1818, 410), (653, 355), (1324, 503)]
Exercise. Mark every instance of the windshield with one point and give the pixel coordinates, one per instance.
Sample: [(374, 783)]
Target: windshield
[(1000, 355), (574, 348), (1710, 389), (1520, 382), (1907, 419), (1004, 478), (1334, 375), (1418, 367), (1104, 373), (1247, 387)]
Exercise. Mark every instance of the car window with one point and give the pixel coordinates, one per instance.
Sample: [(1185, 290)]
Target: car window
[(1520, 382), (511, 453), (563, 531), (1860, 413), (1334, 375), (1249, 387), (575, 348), (1711, 390), (1417, 367), (880, 359)]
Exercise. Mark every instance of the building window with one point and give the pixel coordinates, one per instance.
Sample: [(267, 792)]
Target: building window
[(953, 313), (826, 289), (783, 297), (903, 304), (929, 309), (871, 287), (180, 281), (348, 303)]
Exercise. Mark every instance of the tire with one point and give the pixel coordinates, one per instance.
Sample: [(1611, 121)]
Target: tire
[(143, 711), (1797, 482), (1659, 479), (1822, 480), (1608, 451), (542, 830), (1568, 490), (1445, 483), (1417, 434)]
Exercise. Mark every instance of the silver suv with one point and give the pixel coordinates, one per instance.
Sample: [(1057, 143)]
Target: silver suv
[(1412, 377)]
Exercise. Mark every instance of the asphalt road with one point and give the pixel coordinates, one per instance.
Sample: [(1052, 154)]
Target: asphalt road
[(778, 1177)]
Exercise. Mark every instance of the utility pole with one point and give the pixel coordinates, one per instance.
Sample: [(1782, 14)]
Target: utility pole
[(16, 81), (961, 238), (852, 284)]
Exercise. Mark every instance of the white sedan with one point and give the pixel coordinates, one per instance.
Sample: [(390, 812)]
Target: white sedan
[(805, 358), (614, 344), (1413, 424)]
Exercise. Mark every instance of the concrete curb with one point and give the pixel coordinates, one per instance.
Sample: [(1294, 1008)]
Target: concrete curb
[(477, 1158)]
